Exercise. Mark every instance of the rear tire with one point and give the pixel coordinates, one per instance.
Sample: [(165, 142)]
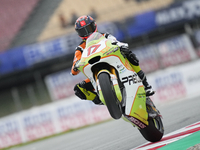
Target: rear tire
[(154, 131), (109, 95)]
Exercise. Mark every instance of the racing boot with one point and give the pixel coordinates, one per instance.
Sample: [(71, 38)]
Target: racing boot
[(85, 91), (148, 89), (97, 101)]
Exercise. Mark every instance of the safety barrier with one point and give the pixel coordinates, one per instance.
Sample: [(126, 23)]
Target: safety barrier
[(50, 119)]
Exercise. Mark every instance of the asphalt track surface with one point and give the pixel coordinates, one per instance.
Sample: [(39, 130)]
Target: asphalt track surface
[(118, 134)]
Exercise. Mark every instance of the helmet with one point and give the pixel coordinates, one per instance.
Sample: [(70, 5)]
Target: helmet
[(84, 26)]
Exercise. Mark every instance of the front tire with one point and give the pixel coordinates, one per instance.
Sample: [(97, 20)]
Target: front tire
[(109, 95)]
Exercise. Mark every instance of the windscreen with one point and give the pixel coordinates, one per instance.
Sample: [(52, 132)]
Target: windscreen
[(94, 38)]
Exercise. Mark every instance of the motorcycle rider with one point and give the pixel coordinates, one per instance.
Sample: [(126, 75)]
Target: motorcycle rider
[(85, 26)]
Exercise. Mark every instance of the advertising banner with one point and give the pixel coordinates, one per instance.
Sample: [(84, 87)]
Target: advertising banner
[(10, 133), (178, 13), (61, 84), (170, 16), (175, 51), (179, 82), (5, 67), (166, 53), (191, 74), (148, 58), (37, 123), (77, 113), (44, 51), (49, 119), (168, 84)]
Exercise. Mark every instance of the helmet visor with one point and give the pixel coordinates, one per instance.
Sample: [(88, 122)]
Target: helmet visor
[(86, 30)]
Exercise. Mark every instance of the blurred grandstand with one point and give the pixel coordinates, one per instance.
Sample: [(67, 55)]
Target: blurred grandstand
[(25, 25), (13, 17)]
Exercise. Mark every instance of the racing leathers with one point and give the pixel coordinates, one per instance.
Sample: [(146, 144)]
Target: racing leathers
[(85, 89)]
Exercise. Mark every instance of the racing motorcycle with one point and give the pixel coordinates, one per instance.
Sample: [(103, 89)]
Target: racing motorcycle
[(119, 87)]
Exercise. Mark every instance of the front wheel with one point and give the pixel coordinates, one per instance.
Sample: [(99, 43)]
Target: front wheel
[(109, 95)]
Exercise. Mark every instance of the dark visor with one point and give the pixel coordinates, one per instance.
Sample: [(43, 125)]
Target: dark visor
[(86, 30)]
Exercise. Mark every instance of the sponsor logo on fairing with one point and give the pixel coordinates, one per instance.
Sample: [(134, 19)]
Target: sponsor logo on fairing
[(130, 78), (122, 70), (119, 66), (115, 49), (136, 122)]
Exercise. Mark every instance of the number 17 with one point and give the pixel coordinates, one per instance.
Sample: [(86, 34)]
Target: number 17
[(92, 49)]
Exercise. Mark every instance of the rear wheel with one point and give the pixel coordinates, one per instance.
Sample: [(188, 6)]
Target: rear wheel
[(155, 130), (109, 95)]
